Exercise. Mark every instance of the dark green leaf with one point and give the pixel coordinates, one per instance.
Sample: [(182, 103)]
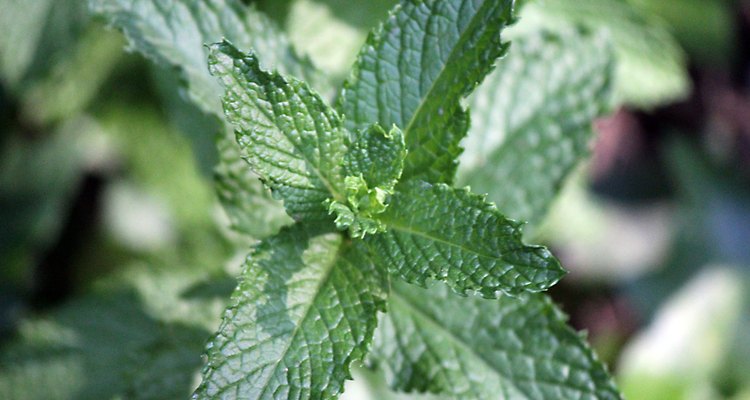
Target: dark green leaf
[(414, 70), (306, 307), (454, 236)]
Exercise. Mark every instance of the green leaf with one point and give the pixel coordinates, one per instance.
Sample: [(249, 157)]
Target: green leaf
[(22, 24), (290, 137), (455, 236), (249, 205), (133, 337), (651, 66), (414, 70), (472, 348), (373, 166), (174, 33), (533, 119), (305, 308)]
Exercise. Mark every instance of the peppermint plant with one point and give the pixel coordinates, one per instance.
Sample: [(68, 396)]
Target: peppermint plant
[(379, 259)]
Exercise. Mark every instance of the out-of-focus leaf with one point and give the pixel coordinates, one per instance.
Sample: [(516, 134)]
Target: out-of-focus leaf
[(503, 349), (685, 345), (532, 119), (705, 28), (72, 83), (134, 337), (37, 180), (159, 159), (651, 66), (22, 23)]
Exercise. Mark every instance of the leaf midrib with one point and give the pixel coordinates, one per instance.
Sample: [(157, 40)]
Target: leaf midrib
[(326, 277), (427, 94), (429, 319)]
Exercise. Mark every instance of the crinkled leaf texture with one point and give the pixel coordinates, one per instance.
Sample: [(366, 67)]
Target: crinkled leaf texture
[(532, 119), (251, 209), (439, 232), (290, 137), (305, 308), (472, 348), (414, 70), (373, 165)]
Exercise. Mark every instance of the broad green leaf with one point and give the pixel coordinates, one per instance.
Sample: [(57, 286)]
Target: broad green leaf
[(305, 308), (651, 66), (455, 236), (533, 119), (373, 164), (414, 70), (174, 33), (472, 348), (290, 137), (249, 205), (135, 337)]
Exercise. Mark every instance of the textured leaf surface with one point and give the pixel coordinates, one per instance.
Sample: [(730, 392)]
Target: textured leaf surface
[(250, 206), (290, 137), (452, 235), (306, 307), (532, 119), (373, 164), (414, 70), (472, 348), (651, 66)]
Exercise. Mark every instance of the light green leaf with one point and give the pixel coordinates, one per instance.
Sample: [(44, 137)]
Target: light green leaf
[(174, 33), (651, 66), (414, 70), (472, 348), (249, 205), (372, 167), (455, 236), (22, 23), (290, 137), (377, 155), (305, 308), (533, 119)]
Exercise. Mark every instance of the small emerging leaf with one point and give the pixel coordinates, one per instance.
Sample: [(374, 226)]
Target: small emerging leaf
[(452, 235), (372, 166)]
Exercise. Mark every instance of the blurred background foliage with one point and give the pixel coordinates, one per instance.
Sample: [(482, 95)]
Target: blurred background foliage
[(116, 260)]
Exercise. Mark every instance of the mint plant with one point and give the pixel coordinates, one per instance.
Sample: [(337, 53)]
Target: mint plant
[(380, 258)]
